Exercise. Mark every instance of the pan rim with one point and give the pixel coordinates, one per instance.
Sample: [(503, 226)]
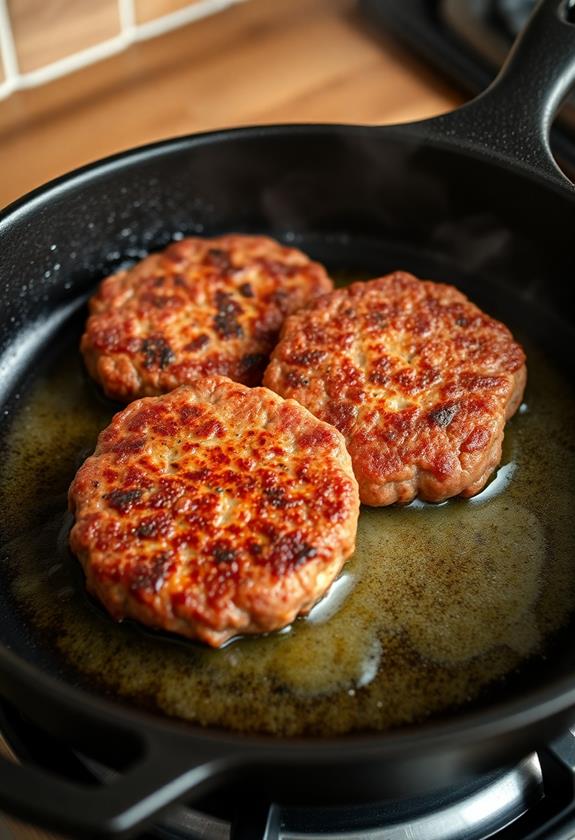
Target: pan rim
[(398, 132)]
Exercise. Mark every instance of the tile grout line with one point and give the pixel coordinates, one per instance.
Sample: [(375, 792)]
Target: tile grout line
[(9, 55), (189, 14), (127, 15)]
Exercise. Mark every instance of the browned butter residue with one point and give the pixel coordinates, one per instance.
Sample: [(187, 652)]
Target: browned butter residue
[(437, 603)]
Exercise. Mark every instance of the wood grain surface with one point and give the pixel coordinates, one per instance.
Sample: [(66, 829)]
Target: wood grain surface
[(258, 62)]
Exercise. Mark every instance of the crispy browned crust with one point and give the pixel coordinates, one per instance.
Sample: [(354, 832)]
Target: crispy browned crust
[(213, 511), (416, 377), (200, 307)]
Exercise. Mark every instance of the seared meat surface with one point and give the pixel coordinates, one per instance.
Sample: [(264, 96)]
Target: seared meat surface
[(213, 511), (200, 307), (419, 381)]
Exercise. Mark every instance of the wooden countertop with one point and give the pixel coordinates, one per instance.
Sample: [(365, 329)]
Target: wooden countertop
[(262, 61)]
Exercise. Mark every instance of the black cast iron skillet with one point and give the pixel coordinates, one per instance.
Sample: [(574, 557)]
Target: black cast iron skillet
[(444, 189)]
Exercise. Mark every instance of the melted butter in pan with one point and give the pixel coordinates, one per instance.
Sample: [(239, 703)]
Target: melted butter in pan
[(438, 602)]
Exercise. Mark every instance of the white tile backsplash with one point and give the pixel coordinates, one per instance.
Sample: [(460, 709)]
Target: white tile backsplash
[(63, 36)]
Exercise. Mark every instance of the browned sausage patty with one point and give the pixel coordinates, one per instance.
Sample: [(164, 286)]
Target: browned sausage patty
[(213, 511), (201, 307), (416, 377)]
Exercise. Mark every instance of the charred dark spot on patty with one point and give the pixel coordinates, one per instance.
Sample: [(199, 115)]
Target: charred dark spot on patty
[(157, 353), (160, 301), (280, 298), (147, 529), (377, 318), (226, 321), (218, 258), (290, 552), (224, 554), (246, 290), (122, 500), (304, 552), (276, 497), (443, 416), (197, 343)]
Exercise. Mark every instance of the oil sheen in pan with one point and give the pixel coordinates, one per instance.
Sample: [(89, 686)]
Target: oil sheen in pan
[(438, 603)]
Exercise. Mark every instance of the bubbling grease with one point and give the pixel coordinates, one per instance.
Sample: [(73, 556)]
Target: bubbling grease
[(438, 602)]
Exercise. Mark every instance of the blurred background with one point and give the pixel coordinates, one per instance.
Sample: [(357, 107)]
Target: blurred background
[(81, 79)]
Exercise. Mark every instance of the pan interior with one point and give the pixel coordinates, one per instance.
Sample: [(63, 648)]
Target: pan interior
[(440, 606)]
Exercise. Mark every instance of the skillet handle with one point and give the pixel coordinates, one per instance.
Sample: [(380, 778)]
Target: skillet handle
[(511, 120), (164, 774)]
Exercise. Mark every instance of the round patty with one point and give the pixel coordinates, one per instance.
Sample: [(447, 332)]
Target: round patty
[(213, 511), (418, 379), (200, 307)]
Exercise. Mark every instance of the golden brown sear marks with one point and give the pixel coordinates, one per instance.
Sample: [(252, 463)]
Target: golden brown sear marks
[(416, 377), (200, 307), (214, 511)]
